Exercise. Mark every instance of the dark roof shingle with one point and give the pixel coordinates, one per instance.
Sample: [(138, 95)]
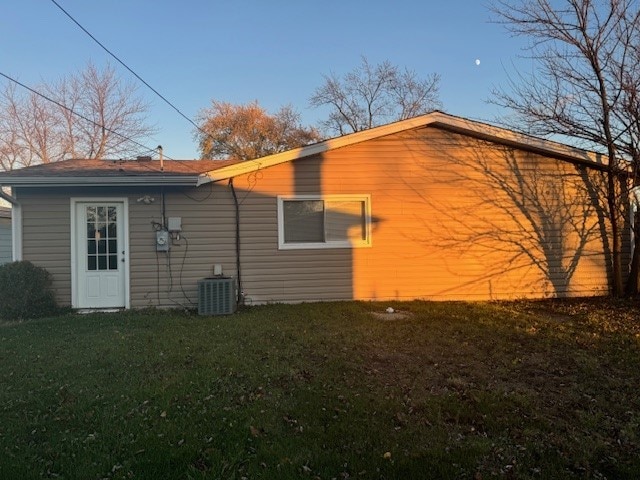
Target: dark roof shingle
[(118, 168)]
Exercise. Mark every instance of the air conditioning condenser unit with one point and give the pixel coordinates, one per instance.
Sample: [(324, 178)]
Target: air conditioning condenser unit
[(216, 296)]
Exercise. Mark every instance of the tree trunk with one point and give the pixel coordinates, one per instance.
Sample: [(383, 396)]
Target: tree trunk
[(617, 286)]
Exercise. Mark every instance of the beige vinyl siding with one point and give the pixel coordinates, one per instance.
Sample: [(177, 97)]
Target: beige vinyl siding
[(207, 238), (46, 239), (443, 227), (270, 274), (156, 279)]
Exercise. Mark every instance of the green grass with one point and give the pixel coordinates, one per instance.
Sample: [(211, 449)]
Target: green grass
[(453, 390)]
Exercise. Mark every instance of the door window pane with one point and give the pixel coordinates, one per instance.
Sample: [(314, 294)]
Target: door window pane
[(102, 240), (91, 214)]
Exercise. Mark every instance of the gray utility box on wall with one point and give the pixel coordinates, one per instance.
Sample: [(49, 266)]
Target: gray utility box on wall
[(216, 296)]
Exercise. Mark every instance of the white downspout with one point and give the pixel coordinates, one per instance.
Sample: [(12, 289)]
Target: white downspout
[(16, 231), (16, 225), (634, 200)]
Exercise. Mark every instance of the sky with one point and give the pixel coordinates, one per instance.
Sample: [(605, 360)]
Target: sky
[(272, 51)]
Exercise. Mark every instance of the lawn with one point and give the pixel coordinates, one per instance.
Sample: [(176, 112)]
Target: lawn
[(326, 391)]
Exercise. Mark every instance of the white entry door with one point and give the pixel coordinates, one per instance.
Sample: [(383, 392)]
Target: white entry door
[(100, 255)]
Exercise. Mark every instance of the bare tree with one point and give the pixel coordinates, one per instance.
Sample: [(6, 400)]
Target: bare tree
[(372, 95), (247, 131), (12, 152), (27, 129), (92, 114), (584, 88)]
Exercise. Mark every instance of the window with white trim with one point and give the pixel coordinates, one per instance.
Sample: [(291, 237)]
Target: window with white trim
[(324, 221)]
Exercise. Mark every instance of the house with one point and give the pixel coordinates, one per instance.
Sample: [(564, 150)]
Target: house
[(435, 207), (5, 235)]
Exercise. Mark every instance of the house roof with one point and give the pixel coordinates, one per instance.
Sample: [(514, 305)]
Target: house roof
[(5, 212), (198, 172), (436, 119), (90, 172)]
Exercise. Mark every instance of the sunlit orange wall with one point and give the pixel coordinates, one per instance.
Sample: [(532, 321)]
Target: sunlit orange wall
[(453, 218)]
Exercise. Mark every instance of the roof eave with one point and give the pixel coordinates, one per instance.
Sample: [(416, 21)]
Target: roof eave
[(522, 141), (183, 181)]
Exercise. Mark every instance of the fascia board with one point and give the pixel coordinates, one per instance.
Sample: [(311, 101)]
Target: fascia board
[(523, 141), (189, 181)]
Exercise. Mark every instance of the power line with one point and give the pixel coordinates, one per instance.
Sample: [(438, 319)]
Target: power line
[(61, 105), (130, 70)]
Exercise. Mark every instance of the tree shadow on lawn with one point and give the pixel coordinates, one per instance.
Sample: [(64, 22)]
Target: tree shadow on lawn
[(526, 380)]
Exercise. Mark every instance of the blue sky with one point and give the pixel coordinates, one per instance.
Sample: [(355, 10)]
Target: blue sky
[(273, 51)]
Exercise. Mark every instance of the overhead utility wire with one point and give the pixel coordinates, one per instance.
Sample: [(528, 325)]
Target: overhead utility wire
[(127, 67), (61, 105)]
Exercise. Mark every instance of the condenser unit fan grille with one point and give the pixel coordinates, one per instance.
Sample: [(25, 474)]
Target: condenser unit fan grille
[(216, 296)]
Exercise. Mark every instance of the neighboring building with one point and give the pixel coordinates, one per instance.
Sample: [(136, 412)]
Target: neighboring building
[(5, 235), (435, 207)]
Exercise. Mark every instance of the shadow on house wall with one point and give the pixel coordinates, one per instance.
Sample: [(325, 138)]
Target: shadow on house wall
[(523, 216), (314, 269)]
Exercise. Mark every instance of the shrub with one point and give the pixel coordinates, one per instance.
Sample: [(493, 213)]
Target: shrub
[(25, 291)]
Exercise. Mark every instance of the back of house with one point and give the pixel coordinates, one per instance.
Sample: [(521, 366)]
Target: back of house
[(436, 207)]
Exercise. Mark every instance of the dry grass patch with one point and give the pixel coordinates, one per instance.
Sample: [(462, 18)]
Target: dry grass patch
[(391, 314)]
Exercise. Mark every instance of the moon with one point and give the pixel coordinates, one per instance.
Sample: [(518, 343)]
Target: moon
[(477, 61)]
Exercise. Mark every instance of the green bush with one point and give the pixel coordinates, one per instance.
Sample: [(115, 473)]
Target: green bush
[(25, 292)]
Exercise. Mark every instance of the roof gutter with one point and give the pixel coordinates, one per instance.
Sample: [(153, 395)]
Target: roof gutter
[(184, 181)]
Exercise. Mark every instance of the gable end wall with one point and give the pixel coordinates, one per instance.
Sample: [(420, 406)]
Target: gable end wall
[(453, 218)]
